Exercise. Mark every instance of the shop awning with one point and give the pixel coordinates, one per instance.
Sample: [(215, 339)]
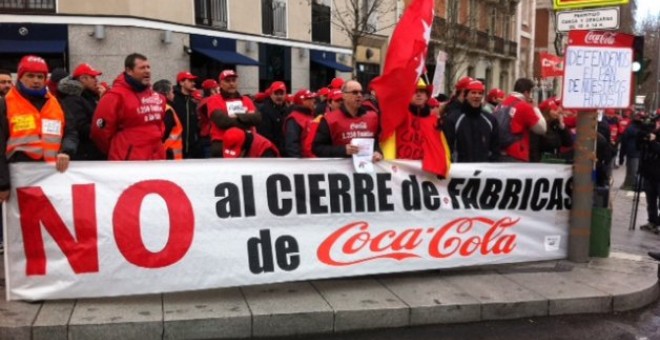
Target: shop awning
[(227, 57), (32, 46), (327, 59)]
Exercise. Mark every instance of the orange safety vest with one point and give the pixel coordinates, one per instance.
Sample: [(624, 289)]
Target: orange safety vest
[(174, 141), (34, 133)]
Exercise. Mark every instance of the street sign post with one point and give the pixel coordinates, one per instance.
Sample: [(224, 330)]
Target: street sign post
[(594, 19), (568, 4)]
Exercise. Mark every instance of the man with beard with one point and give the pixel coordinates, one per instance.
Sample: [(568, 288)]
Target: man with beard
[(5, 82), (128, 122), (472, 133), (185, 106), (273, 111), (230, 109)]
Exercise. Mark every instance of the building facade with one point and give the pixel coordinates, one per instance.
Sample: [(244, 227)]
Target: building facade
[(482, 39), (264, 40)]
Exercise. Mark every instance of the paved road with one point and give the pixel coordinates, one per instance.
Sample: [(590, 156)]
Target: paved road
[(636, 325)]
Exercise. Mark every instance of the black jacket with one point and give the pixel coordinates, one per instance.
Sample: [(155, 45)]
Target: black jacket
[(649, 162), (272, 120), (554, 138), (186, 110), (81, 104), (293, 133), (472, 135), (69, 138)]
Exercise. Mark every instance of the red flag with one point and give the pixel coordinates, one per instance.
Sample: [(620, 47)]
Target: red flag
[(551, 65), (405, 61)]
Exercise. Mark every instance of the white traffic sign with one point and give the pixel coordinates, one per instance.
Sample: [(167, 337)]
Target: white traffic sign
[(594, 19)]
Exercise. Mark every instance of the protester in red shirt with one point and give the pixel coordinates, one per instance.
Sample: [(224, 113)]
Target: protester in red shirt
[(339, 127), (230, 109), (238, 143), (296, 125), (524, 119), (128, 122)]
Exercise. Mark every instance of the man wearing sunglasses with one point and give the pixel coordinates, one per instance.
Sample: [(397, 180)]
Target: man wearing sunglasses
[(351, 120)]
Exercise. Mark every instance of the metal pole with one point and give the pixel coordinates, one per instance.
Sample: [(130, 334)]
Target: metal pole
[(583, 187), (657, 73)]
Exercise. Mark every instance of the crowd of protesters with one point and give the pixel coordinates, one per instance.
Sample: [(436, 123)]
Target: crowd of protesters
[(74, 117)]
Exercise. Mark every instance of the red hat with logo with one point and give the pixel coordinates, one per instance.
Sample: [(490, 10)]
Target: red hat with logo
[(303, 94), (209, 84), (32, 63), (475, 85), (495, 94), (260, 97), (336, 95), (463, 83), (228, 74), (548, 105), (232, 142), (336, 84), (85, 70), (184, 75), (277, 86), (197, 95), (324, 92)]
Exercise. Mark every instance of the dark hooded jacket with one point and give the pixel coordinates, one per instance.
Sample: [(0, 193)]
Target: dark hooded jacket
[(81, 104)]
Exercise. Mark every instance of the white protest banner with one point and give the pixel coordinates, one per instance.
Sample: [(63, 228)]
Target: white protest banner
[(126, 228), (597, 70), (439, 74)]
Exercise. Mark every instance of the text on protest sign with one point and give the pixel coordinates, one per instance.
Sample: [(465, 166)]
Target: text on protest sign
[(597, 70), (109, 229)]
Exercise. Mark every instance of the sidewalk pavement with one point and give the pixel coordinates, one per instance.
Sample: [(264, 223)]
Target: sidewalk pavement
[(626, 280)]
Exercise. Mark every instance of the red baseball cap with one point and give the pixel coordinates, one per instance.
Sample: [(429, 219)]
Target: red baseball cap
[(184, 75), (303, 94), (277, 86), (433, 103), (209, 84), (495, 94), (475, 85), (463, 83), (336, 95), (336, 84), (228, 74), (548, 104), (260, 97), (197, 95), (32, 63), (85, 70), (324, 91), (232, 142)]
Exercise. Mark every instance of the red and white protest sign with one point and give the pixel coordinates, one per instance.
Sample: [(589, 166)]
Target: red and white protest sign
[(598, 70), (126, 228)]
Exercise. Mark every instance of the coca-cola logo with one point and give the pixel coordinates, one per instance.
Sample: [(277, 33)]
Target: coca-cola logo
[(355, 243), (600, 38)]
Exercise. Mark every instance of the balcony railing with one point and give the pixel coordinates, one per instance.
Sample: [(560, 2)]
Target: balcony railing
[(27, 6), (513, 49), (211, 13), (482, 40), (499, 45)]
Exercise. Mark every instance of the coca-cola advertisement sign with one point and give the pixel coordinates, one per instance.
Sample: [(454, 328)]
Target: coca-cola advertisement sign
[(599, 38), (598, 68)]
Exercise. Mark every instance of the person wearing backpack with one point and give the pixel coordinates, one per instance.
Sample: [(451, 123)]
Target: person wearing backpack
[(471, 132), (517, 119)]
